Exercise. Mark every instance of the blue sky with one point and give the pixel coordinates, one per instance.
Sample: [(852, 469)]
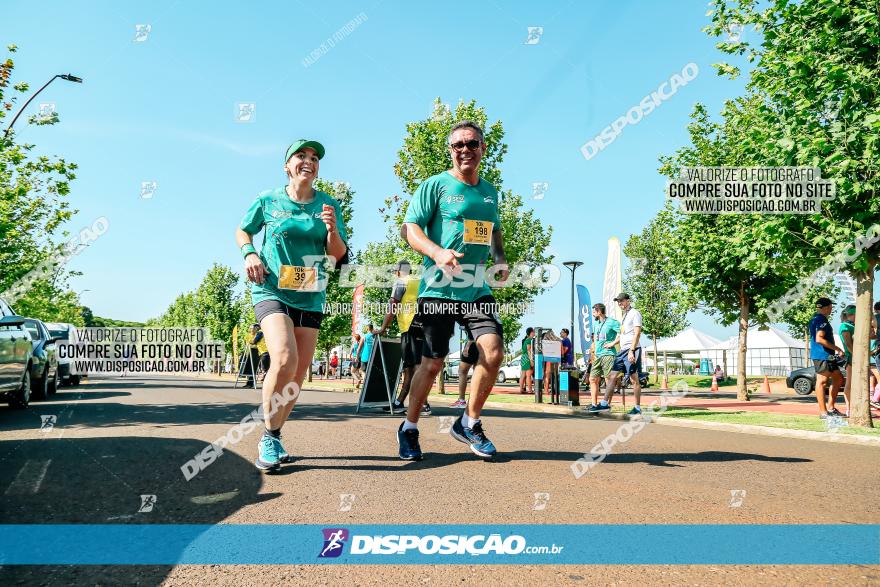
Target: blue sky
[(163, 110)]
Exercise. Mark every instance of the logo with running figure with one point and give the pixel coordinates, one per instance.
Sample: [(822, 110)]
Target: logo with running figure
[(334, 540), (534, 35)]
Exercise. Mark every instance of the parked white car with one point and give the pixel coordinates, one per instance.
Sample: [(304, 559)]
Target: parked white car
[(510, 371), (61, 331)]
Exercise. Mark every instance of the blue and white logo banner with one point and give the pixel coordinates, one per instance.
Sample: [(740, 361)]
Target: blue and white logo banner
[(585, 319), (646, 544)]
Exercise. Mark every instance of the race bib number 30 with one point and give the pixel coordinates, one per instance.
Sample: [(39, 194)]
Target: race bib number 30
[(477, 232), (298, 278)]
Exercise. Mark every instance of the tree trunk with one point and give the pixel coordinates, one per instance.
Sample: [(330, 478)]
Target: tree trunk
[(860, 410), (656, 366), (741, 391), (441, 382)]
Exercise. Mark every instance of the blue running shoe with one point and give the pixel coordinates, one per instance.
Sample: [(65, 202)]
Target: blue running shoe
[(409, 444), (282, 454), (636, 411), (268, 454), (474, 437), (598, 409)]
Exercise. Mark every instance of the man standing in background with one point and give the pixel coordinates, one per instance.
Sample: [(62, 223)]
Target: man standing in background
[(404, 296), (629, 360), (824, 354), (470, 356), (605, 331), (567, 350)]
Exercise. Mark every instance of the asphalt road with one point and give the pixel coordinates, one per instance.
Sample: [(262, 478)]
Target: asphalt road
[(114, 440)]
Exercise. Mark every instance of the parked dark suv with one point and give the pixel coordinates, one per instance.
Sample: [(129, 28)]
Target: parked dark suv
[(803, 381), (44, 368), (16, 358)]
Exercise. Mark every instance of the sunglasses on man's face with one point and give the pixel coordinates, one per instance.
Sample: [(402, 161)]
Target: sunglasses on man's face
[(460, 145)]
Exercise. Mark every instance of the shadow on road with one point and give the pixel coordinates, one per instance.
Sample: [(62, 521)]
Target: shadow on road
[(102, 481)]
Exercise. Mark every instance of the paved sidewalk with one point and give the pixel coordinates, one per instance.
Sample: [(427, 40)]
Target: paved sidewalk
[(724, 400)]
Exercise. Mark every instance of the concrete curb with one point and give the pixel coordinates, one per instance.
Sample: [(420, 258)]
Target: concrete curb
[(684, 423)]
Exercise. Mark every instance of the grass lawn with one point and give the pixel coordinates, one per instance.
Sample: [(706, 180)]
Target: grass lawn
[(506, 398), (790, 421), (705, 382)]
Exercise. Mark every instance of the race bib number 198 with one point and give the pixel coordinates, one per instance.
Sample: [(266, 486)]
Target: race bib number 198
[(477, 232), (298, 278)]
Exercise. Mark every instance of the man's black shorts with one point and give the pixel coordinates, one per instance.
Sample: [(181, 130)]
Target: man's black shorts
[(470, 354), (438, 316), (301, 318), (826, 366), (411, 345)]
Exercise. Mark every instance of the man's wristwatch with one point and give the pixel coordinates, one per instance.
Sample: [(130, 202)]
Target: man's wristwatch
[(247, 250)]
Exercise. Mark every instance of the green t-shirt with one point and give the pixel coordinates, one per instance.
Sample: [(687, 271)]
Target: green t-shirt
[(293, 232), (846, 327), (606, 332), (524, 360), (442, 206)]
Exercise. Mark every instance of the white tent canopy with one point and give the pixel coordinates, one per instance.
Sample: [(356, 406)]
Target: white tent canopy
[(769, 352), (688, 341)]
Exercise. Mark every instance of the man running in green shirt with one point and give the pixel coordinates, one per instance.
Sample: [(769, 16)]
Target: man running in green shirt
[(453, 221)]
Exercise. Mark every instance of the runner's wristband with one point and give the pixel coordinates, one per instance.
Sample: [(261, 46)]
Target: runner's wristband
[(247, 250)]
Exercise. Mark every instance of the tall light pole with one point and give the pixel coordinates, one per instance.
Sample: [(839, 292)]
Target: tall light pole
[(572, 265), (65, 76)]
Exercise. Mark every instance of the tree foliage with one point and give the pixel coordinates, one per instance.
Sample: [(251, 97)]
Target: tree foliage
[(727, 268), (34, 208), (337, 325), (212, 305), (818, 62), (650, 278)]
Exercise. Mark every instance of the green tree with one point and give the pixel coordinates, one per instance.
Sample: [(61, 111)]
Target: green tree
[(33, 211), (650, 278), (336, 325), (819, 62), (722, 260), (246, 319), (89, 319), (216, 305), (425, 153), (46, 301), (212, 305)]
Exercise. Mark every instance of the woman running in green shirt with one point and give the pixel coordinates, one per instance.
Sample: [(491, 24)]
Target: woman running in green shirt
[(301, 227)]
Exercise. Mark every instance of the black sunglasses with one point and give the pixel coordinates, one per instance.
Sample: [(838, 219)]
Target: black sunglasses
[(460, 145)]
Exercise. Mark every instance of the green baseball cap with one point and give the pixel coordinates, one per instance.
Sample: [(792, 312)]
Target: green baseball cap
[(850, 309), (301, 144)]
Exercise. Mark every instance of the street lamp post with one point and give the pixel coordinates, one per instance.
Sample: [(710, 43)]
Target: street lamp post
[(572, 265), (65, 76)]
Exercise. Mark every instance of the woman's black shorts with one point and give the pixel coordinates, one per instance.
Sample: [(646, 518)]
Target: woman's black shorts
[(301, 318)]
